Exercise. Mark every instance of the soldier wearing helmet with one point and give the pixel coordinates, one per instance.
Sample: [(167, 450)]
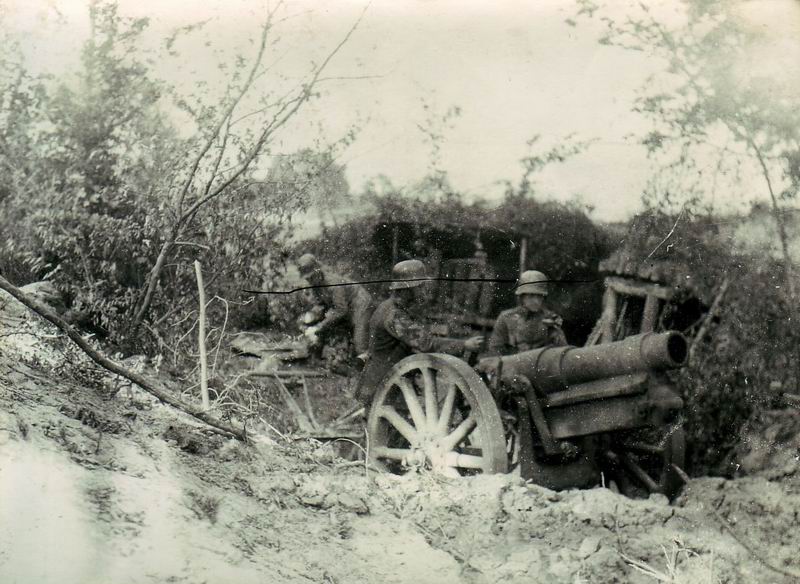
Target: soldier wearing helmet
[(530, 325), (339, 303), (396, 332)]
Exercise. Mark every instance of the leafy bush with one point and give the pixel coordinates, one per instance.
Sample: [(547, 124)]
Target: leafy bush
[(751, 343), (93, 196)]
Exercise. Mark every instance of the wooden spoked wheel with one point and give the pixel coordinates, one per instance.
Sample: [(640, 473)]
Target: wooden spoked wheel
[(648, 462), (434, 412)]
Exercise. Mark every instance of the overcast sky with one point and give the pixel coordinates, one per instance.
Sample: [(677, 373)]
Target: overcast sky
[(515, 68)]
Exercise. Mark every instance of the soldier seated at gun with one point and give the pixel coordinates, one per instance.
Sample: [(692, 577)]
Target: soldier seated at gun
[(336, 305), (396, 332), (529, 325)]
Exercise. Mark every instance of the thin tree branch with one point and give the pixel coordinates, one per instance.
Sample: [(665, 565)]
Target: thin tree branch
[(229, 111)]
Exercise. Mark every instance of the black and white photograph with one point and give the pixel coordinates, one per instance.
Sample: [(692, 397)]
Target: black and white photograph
[(399, 291)]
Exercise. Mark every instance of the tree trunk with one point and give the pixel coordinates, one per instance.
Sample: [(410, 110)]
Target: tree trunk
[(787, 260)]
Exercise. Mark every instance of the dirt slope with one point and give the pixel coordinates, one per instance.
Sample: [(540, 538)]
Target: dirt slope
[(99, 485)]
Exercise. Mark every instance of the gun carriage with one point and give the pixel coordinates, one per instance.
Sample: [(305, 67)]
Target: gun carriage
[(564, 416)]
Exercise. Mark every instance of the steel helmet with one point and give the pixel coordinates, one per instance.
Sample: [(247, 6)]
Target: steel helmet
[(532, 282), (307, 263), (408, 274)]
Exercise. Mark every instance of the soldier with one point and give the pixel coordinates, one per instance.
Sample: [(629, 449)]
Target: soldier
[(530, 325), (395, 333), (339, 303)]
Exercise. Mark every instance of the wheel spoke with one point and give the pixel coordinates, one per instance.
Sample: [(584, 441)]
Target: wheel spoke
[(462, 431), (450, 472), (414, 407), (434, 411), (447, 410), (458, 460), (407, 430), (400, 454), (430, 397)]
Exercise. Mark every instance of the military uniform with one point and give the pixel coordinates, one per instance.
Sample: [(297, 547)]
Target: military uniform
[(518, 329), (341, 302), (394, 334)]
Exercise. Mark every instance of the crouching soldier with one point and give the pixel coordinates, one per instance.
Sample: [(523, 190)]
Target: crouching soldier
[(396, 333), (350, 304), (530, 325)]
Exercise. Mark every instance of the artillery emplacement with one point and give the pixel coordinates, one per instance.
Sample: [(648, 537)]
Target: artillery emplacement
[(564, 416)]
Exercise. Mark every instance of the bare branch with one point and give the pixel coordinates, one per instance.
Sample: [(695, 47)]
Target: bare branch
[(230, 109), (284, 114)]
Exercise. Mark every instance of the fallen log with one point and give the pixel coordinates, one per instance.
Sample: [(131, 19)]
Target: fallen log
[(150, 386)]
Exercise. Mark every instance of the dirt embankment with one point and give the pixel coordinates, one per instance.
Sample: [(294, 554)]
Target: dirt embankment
[(98, 483)]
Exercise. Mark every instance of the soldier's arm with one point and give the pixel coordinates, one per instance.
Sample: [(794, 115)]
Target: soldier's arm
[(337, 311), (555, 332), (417, 336), (498, 342), (401, 326)]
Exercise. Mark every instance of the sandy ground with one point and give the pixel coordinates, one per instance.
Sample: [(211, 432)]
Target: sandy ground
[(98, 486)]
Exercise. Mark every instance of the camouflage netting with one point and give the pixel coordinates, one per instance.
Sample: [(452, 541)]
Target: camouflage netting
[(561, 241), (687, 256), (748, 358)]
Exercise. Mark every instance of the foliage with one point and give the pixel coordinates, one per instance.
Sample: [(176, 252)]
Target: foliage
[(715, 125), (750, 346), (77, 211), (102, 195)]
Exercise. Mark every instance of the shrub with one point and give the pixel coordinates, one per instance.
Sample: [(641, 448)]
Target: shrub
[(751, 343)]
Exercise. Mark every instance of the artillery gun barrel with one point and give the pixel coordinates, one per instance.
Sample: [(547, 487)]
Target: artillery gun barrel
[(557, 368)]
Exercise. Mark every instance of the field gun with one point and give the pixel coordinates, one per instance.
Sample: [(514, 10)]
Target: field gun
[(564, 416)]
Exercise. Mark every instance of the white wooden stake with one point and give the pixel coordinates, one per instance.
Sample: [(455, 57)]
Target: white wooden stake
[(201, 340)]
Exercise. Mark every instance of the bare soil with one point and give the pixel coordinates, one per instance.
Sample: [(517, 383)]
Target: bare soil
[(100, 483)]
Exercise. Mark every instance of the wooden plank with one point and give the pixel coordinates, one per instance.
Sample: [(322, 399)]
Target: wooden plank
[(307, 401), (348, 417), (632, 288), (333, 434), (290, 373), (303, 422)]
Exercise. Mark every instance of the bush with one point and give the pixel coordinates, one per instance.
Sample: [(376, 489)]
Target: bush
[(751, 344)]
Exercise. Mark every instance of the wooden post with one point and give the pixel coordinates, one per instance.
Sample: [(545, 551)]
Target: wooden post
[(649, 314), (609, 315), (523, 255), (201, 338)]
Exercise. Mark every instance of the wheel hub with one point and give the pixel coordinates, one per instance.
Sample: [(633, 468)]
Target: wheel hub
[(429, 452)]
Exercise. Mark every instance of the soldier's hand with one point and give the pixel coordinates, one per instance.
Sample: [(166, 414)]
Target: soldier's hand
[(474, 343), (311, 333), (556, 321)]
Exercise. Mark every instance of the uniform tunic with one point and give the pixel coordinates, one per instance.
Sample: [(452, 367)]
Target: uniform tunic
[(518, 329), (395, 334), (351, 302)]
